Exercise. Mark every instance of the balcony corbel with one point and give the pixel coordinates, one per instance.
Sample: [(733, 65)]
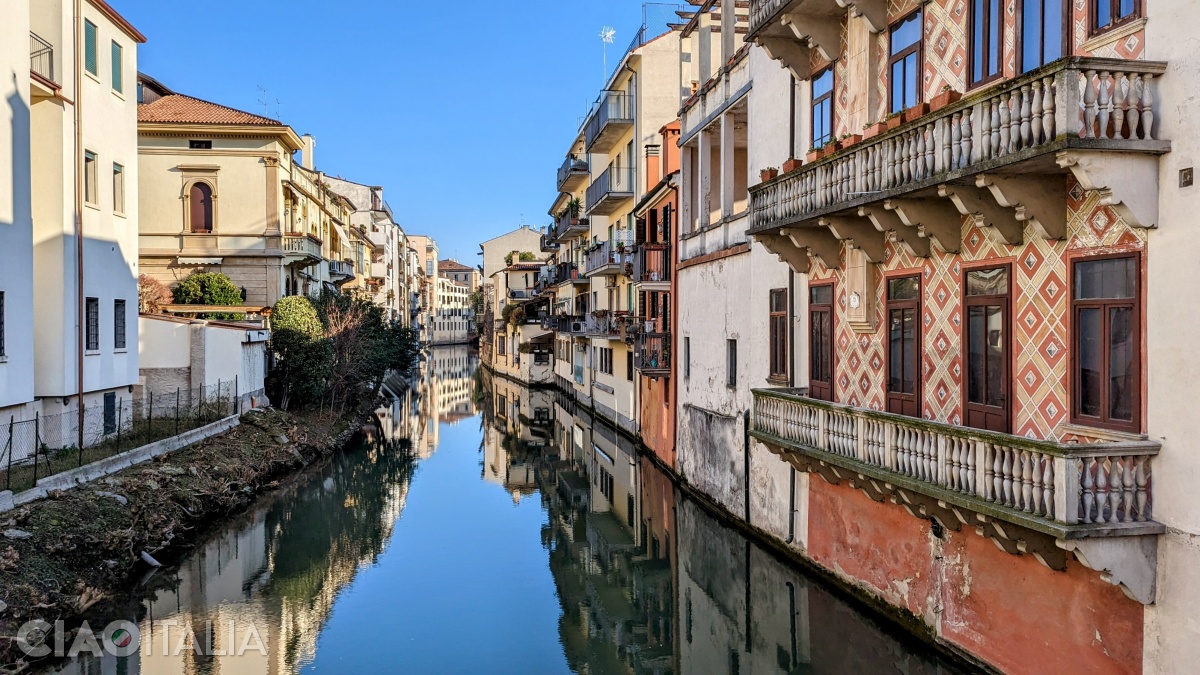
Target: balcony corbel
[(874, 11), (1040, 202), (787, 252), (859, 232), (1129, 563), (971, 201), (1107, 172), (890, 224), (822, 32), (819, 241), (795, 56), (934, 219)]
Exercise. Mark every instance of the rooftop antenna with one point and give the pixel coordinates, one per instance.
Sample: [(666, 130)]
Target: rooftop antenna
[(606, 37), (263, 101)]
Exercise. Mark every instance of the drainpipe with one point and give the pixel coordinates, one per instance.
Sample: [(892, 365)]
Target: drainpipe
[(79, 318), (791, 384), (792, 117), (746, 460)]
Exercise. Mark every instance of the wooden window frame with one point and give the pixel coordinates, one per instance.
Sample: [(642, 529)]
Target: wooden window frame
[(917, 48), (189, 225), (1137, 303), (1067, 23), (778, 336), (1092, 16), (1010, 358), (985, 78), (815, 100), (832, 350), (916, 305)]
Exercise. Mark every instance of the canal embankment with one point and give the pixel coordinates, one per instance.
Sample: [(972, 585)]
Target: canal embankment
[(62, 555)]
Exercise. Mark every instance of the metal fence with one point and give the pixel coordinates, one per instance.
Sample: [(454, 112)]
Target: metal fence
[(48, 444)]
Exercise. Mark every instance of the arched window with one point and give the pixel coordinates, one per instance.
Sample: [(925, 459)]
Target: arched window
[(200, 198)]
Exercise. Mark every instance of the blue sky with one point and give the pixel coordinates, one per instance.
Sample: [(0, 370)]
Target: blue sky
[(461, 110)]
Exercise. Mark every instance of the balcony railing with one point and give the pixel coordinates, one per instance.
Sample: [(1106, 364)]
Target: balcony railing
[(609, 189), (564, 272), (1073, 103), (652, 263), (41, 57), (301, 246), (577, 324), (1065, 490), (611, 116), (567, 226), (652, 354), (548, 244), (572, 174), (607, 260), (341, 268)]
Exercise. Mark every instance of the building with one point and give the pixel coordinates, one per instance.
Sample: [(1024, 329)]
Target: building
[(521, 346), (452, 319), (426, 250), (221, 191), (469, 276), (384, 274), (191, 355), (496, 253)]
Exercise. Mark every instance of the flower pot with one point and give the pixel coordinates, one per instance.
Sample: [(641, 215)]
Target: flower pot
[(851, 140), (874, 130), (813, 155), (915, 112), (944, 99), (768, 174), (792, 164), (829, 149), (893, 122)]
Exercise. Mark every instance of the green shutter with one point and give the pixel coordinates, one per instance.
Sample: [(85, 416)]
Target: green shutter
[(91, 58), (118, 72)]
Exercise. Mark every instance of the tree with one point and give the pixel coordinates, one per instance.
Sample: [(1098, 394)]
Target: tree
[(525, 256), (365, 346), (304, 357), (152, 294), (210, 288)]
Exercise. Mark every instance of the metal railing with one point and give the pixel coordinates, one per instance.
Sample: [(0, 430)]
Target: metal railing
[(342, 268), (573, 166), (652, 262), (611, 107), (41, 56), (604, 255), (652, 353), (614, 182)]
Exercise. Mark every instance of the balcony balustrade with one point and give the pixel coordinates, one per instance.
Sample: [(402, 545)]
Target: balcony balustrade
[(1002, 154), (652, 354), (41, 57), (652, 264), (341, 270), (609, 190), (568, 227), (607, 260), (301, 249), (548, 243), (611, 117), (572, 175)]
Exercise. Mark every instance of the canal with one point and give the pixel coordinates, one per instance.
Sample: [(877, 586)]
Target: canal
[(488, 528)]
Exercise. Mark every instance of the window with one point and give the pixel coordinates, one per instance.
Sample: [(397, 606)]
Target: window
[(1106, 324), (629, 366), (110, 413), (429, 267), (1042, 34), (91, 55), (92, 334), (500, 344), (606, 360), (779, 334), (687, 357), (200, 145), (904, 345), (822, 108), (118, 70), (201, 207), (731, 363), (986, 27), (89, 178), (1108, 14), (904, 63), (987, 348), (820, 335), (118, 324), (118, 188), (1, 324)]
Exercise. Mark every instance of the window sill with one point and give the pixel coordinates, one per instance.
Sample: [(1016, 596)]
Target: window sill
[(3, 358), (95, 207), (1108, 36), (1101, 433), (120, 214), (119, 94), (778, 380), (95, 77), (120, 351), (91, 352)]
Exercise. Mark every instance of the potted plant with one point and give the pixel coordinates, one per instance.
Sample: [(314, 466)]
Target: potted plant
[(916, 112), (574, 207), (893, 120), (792, 164), (873, 129), (768, 173), (814, 154), (947, 96), (850, 139)]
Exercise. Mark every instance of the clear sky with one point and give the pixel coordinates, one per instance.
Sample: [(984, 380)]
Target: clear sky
[(462, 110)]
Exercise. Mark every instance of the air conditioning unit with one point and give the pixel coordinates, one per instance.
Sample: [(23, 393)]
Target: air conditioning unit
[(576, 326)]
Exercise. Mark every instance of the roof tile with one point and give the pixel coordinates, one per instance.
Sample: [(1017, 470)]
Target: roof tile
[(183, 109)]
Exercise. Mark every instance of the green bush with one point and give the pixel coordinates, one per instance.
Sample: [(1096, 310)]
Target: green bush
[(304, 357), (209, 288)]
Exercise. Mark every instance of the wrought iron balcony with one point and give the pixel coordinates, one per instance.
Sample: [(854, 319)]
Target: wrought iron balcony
[(572, 175), (652, 354), (610, 118), (607, 259), (41, 57), (609, 190), (652, 264), (994, 154)]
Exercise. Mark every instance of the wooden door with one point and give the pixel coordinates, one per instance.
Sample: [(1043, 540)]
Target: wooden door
[(820, 326), (904, 346), (987, 347)]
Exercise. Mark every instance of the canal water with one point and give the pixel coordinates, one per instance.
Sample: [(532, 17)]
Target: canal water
[(487, 528)]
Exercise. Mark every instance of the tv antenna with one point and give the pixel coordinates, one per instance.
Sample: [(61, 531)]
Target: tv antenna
[(606, 38), (263, 100)]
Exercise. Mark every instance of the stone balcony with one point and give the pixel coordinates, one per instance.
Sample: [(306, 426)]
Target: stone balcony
[(1029, 496), (1002, 153), (301, 249)]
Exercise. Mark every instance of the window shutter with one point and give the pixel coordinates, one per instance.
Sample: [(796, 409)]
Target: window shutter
[(118, 74), (90, 56)]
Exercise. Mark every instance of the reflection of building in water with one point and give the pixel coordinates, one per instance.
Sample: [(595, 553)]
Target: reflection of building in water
[(517, 428), (279, 572), (453, 377)]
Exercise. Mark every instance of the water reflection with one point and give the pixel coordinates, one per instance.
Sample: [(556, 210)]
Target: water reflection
[(597, 566)]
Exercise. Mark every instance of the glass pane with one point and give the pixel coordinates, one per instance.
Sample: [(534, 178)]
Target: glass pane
[(911, 80), (988, 282), (895, 350), (995, 356), (778, 301), (897, 76), (1120, 363), (977, 43), (1126, 9), (906, 288), (910, 352), (1090, 361), (1052, 18), (906, 34), (823, 84), (1103, 13), (821, 295), (994, 37), (1031, 35), (1110, 279), (976, 360)]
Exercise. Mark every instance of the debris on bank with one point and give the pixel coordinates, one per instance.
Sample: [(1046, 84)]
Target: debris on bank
[(63, 554)]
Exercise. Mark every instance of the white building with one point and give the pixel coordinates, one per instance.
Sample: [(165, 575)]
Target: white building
[(451, 318), (386, 275)]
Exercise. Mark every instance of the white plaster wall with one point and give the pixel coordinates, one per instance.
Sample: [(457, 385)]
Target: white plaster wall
[(16, 211), (1172, 631), (164, 343), (523, 238)]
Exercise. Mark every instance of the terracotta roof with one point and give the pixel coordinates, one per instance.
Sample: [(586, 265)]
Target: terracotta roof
[(453, 265), (527, 265), (183, 109)]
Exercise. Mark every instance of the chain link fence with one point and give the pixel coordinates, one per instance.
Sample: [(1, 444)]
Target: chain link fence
[(48, 444)]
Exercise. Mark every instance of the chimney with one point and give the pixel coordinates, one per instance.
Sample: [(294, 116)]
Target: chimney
[(670, 151), (653, 166), (306, 152), (516, 257)]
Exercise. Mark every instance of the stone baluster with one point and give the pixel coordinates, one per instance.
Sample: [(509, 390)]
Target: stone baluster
[(931, 153), (967, 448), (1141, 478), (1115, 480), (1118, 103), (1131, 105), (994, 125), (1089, 485), (1104, 87), (1027, 459), (1127, 499), (1147, 107), (955, 141), (1101, 491), (1048, 487), (1089, 104), (1048, 108), (1006, 470), (1035, 113), (1005, 113), (914, 155), (966, 158), (942, 460), (1026, 114)]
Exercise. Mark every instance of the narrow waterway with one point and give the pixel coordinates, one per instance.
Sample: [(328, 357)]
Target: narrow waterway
[(491, 529)]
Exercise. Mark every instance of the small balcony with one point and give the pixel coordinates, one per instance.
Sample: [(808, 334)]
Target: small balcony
[(572, 175), (379, 270), (610, 189), (607, 259), (301, 249), (573, 324), (652, 354), (521, 294), (568, 227), (1002, 154), (607, 325), (611, 117), (341, 271), (548, 243), (563, 273), (652, 265), (41, 57)]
